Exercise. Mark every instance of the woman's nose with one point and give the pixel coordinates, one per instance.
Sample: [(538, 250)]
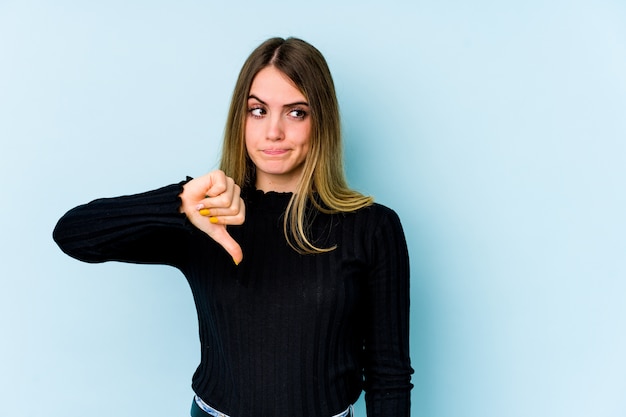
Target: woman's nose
[(275, 128)]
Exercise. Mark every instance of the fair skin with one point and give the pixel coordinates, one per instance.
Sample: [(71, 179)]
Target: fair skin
[(277, 136), (278, 130)]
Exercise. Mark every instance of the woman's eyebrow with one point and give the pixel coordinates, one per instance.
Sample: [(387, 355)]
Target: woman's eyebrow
[(297, 103)]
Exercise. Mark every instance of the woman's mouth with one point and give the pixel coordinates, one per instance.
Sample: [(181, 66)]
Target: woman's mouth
[(274, 152)]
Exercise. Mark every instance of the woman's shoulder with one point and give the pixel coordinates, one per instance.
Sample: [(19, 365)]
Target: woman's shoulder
[(375, 229), (382, 209), (376, 209), (375, 216)]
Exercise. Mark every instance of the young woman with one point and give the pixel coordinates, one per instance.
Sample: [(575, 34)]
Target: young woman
[(301, 284)]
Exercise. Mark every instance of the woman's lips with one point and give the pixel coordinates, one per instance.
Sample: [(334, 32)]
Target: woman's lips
[(274, 152)]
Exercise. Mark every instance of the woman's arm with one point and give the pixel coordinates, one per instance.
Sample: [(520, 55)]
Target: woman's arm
[(388, 367), (139, 228), (152, 227)]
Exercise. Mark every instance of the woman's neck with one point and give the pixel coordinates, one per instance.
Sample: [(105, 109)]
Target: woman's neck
[(267, 184)]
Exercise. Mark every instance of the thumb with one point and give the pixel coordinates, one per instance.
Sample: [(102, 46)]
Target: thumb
[(221, 236)]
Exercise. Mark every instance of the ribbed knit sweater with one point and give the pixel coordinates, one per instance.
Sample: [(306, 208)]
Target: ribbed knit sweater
[(282, 334)]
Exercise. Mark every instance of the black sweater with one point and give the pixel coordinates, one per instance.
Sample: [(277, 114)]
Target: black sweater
[(281, 334)]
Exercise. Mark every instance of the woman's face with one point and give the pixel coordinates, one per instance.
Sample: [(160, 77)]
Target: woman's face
[(278, 130)]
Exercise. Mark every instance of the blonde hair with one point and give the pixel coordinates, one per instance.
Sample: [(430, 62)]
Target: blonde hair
[(323, 182)]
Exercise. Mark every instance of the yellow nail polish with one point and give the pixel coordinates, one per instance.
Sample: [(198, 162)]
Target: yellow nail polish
[(205, 212), (236, 263), (213, 220)]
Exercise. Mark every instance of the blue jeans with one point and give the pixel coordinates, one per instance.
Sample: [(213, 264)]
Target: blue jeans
[(201, 409)]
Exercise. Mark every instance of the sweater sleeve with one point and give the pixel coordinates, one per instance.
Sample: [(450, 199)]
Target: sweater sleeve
[(387, 362), (143, 228)]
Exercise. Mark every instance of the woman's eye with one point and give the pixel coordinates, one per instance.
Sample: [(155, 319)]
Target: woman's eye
[(297, 113), (256, 111)]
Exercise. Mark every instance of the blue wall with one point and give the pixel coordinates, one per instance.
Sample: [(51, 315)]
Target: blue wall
[(496, 129)]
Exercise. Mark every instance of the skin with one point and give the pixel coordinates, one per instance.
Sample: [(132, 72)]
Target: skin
[(277, 136), (211, 202), (278, 130)]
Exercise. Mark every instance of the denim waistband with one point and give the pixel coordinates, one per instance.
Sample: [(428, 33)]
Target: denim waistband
[(201, 409)]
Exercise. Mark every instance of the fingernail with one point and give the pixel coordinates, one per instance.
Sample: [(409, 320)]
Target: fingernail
[(235, 261), (205, 212), (213, 220), (200, 206)]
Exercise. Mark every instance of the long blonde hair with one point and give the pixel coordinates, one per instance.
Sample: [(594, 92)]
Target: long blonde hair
[(323, 182)]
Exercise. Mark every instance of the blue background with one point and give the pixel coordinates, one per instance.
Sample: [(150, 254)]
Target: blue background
[(496, 129)]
